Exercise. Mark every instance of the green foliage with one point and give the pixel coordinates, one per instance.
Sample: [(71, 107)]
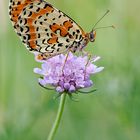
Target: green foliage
[(27, 111)]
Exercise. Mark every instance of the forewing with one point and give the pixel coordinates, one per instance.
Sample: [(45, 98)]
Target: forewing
[(43, 28)]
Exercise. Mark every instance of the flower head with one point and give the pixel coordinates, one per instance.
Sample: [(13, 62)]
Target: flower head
[(68, 76)]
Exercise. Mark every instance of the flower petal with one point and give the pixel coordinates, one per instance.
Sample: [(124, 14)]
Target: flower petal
[(59, 89)]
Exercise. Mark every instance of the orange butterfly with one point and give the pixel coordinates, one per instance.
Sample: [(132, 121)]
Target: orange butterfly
[(46, 30)]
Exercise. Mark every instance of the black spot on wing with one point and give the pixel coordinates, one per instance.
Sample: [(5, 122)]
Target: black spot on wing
[(60, 44)]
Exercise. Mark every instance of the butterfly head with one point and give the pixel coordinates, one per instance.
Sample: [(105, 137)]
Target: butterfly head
[(92, 36)]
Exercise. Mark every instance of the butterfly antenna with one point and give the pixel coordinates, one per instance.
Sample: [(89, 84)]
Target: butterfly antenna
[(112, 26), (101, 18)]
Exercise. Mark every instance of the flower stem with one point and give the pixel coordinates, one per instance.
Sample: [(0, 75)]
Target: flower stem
[(58, 117)]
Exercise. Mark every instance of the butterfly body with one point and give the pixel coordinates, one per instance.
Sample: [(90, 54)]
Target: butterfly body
[(46, 30)]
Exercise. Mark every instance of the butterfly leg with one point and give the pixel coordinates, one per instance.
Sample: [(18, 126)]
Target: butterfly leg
[(67, 55), (89, 57)]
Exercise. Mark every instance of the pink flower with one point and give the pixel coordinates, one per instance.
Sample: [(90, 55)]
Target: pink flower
[(74, 76)]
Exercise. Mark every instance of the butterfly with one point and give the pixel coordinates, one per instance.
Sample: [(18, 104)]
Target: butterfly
[(46, 30)]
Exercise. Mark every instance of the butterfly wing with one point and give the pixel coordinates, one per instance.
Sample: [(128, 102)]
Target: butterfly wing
[(44, 29)]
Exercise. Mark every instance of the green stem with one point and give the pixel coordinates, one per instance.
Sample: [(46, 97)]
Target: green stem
[(58, 117)]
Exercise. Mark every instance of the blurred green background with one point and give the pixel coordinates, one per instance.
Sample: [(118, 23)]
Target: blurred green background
[(27, 111)]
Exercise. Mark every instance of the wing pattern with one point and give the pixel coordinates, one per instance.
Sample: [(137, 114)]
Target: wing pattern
[(44, 29)]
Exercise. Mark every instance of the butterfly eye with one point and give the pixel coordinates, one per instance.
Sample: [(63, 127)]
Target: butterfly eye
[(92, 36)]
